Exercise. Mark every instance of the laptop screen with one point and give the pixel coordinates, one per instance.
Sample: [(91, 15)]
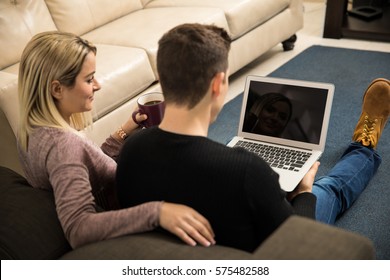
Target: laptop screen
[(287, 111)]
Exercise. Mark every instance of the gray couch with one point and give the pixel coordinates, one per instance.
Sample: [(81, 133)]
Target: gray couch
[(30, 230)]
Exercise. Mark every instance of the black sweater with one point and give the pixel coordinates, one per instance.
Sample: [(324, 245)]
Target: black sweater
[(234, 189)]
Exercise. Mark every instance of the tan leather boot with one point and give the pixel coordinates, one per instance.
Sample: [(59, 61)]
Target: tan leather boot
[(375, 112)]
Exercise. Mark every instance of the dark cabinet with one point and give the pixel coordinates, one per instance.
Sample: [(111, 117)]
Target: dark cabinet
[(339, 22)]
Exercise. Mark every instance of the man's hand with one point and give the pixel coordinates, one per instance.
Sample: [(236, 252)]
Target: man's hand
[(306, 184)]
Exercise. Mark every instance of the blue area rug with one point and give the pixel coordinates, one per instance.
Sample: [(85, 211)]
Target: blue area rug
[(351, 71)]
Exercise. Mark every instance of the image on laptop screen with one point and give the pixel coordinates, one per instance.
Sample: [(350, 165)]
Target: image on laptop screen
[(286, 111)]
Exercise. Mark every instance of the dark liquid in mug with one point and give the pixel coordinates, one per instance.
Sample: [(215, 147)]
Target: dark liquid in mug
[(152, 102)]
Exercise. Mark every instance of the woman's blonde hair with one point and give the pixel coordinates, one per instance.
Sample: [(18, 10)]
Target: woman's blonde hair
[(49, 56)]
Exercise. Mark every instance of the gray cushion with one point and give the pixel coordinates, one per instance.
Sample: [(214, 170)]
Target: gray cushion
[(29, 225)]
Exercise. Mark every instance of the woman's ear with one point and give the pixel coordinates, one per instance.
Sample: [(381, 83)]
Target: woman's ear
[(56, 90)]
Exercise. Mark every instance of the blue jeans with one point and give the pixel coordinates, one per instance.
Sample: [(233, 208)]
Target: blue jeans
[(345, 182)]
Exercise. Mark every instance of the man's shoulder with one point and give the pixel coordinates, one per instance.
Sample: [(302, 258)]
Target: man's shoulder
[(250, 157), (142, 135)]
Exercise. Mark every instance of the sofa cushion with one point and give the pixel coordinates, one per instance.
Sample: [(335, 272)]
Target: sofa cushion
[(17, 27), (9, 98), (255, 12), (145, 2), (143, 28), (9, 118), (301, 238), (81, 16), (116, 69), (29, 225)]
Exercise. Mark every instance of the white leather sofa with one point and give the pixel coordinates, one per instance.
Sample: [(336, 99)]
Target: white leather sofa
[(126, 33)]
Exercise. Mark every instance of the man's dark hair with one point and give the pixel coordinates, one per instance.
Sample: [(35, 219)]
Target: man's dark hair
[(188, 58)]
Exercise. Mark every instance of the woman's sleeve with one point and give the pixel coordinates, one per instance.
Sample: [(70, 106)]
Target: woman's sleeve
[(69, 172), (112, 147)]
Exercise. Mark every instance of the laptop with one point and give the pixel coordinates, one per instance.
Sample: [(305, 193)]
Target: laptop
[(285, 122)]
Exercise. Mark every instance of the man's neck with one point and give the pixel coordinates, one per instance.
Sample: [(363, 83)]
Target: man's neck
[(181, 120)]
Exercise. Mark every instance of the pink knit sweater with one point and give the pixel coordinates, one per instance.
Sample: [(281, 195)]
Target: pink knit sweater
[(73, 167)]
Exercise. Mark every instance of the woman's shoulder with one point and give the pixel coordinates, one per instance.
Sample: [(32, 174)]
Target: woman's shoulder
[(63, 143), (53, 136), (56, 133)]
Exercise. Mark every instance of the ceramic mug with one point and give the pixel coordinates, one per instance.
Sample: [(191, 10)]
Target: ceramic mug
[(152, 104)]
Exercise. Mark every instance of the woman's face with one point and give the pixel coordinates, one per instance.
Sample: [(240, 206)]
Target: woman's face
[(273, 118), (79, 98)]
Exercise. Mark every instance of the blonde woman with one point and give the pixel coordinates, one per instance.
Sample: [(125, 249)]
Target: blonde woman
[(56, 93)]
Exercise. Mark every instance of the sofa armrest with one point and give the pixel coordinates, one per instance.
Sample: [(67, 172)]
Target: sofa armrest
[(297, 239), (153, 246), (30, 229), (304, 239)]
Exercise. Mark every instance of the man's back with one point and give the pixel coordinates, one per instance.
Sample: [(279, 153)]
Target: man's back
[(235, 190)]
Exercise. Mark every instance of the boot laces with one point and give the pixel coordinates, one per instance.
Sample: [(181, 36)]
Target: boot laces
[(368, 129)]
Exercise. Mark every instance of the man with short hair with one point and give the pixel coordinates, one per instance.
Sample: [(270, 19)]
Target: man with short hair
[(234, 189)]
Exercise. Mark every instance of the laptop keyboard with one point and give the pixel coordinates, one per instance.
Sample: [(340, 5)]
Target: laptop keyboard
[(277, 157)]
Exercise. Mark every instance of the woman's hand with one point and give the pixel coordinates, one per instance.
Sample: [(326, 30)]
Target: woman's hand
[(306, 184), (130, 125), (187, 224)]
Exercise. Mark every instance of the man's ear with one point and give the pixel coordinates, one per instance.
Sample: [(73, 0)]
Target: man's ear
[(56, 89), (218, 82)]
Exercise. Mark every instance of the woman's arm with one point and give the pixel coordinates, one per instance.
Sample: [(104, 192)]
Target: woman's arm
[(114, 142), (74, 175)]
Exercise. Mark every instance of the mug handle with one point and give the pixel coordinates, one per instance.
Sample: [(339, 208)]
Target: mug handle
[(134, 114)]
